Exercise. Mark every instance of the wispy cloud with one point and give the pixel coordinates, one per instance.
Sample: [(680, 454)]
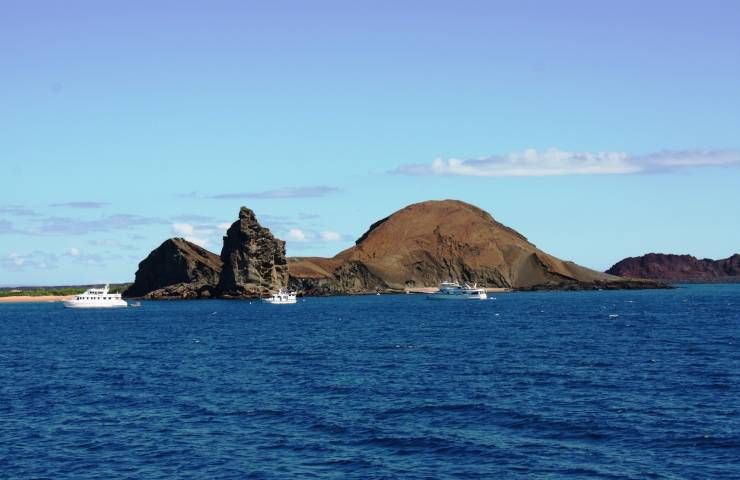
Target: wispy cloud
[(7, 227), (330, 236), (86, 205), (675, 159), (17, 210), (114, 244), (310, 236), (83, 258), (77, 226), (193, 217), (288, 192), (189, 232), (34, 260), (297, 235), (559, 162), (40, 260), (192, 195)]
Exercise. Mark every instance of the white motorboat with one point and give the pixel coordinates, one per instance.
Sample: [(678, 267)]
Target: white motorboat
[(283, 297), (455, 291), (96, 298)]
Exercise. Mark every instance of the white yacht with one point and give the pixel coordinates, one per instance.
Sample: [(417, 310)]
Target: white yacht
[(96, 298), (281, 298), (455, 291)]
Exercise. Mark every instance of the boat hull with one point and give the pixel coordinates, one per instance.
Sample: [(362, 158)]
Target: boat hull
[(437, 296), (74, 304), (279, 302)]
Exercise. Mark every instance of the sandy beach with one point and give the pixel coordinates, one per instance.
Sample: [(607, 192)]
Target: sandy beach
[(32, 299)]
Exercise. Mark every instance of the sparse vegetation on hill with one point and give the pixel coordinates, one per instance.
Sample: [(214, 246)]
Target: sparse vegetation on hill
[(56, 290)]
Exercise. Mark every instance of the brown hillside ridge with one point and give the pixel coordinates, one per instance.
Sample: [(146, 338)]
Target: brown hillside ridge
[(177, 269), (430, 242), (679, 268)]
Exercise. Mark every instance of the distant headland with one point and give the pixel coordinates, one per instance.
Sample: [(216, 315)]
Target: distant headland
[(679, 268), (418, 246)]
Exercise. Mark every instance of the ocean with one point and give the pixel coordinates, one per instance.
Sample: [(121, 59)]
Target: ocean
[(542, 385)]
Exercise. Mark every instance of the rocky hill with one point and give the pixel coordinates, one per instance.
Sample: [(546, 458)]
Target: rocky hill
[(252, 263), (678, 268), (177, 268), (429, 242), (254, 260), (418, 246)]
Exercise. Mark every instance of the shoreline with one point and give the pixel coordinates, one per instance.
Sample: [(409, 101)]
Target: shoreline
[(436, 289), (35, 299)]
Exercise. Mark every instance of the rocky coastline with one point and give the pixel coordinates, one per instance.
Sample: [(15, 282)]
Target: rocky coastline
[(416, 247)]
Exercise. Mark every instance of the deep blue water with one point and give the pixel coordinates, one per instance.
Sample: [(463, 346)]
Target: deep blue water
[(529, 385)]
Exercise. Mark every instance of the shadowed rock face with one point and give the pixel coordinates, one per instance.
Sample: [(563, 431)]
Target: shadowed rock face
[(430, 242), (178, 269), (254, 260), (678, 268)]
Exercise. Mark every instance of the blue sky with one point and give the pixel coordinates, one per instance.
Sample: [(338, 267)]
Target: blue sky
[(597, 130)]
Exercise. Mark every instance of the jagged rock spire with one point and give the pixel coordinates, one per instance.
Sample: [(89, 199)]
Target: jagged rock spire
[(254, 260)]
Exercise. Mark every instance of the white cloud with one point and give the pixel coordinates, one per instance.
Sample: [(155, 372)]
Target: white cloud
[(669, 159), (17, 259), (224, 226), (75, 252), (297, 235), (550, 162), (329, 236), (183, 229), (198, 236), (35, 259)]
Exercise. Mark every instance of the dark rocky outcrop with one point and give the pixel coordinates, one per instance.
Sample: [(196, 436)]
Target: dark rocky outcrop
[(678, 268), (254, 260), (418, 246), (429, 242), (252, 264), (177, 269), (345, 278)]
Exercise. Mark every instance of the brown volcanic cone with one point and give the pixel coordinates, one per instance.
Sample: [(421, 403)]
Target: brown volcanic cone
[(430, 242)]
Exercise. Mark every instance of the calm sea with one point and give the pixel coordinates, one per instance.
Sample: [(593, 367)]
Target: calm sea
[(572, 385)]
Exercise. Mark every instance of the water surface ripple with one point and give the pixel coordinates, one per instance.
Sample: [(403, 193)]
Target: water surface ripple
[(576, 385)]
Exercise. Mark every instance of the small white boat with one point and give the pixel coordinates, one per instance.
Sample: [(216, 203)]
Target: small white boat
[(96, 298), (283, 297), (455, 291)]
